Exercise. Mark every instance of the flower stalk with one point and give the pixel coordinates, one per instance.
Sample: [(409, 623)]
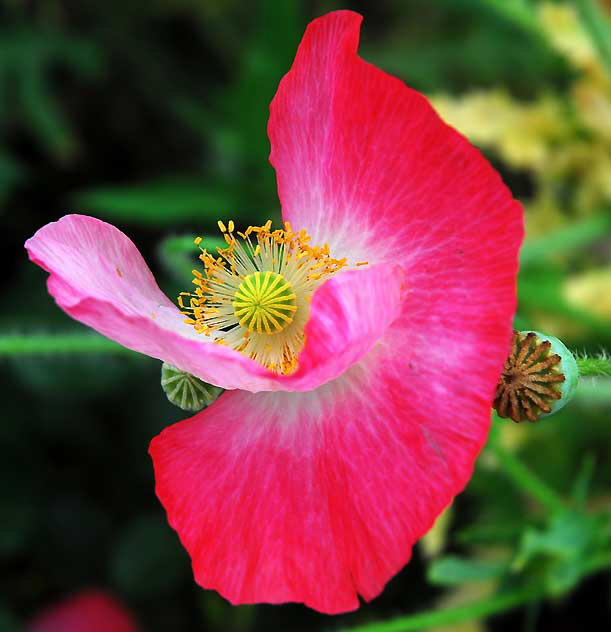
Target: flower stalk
[(479, 609), (525, 479), (591, 367), (48, 344)]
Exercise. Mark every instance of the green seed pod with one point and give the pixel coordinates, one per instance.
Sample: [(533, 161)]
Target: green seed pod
[(185, 390), (539, 377)]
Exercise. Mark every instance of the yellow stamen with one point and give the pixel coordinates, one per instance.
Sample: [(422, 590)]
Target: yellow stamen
[(255, 292)]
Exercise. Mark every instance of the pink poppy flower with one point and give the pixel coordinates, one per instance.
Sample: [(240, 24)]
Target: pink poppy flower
[(359, 396), (87, 611)]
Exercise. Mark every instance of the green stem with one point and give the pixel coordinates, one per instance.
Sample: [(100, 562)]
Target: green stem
[(594, 366), (479, 609), (598, 29), (526, 480), (44, 344), (456, 614)]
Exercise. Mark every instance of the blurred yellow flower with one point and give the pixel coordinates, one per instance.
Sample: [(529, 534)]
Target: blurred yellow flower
[(563, 139), (523, 133), (560, 23), (591, 291)]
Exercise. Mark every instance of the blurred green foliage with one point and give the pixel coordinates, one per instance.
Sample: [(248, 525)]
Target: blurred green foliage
[(153, 116)]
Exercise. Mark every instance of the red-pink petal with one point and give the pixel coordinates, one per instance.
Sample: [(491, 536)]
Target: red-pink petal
[(315, 497), (88, 611), (98, 277), (364, 163)]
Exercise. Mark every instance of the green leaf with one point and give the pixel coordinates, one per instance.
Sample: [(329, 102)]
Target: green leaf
[(519, 12), (452, 570), (179, 254), (540, 288), (454, 614), (11, 173), (42, 114), (161, 203), (565, 240), (565, 547), (597, 27), (581, 486)]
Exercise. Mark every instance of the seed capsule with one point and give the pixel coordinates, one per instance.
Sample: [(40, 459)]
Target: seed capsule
[(539, 377)]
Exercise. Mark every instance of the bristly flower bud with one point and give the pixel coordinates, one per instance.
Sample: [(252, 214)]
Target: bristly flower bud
[(185, 390), (539, 377)]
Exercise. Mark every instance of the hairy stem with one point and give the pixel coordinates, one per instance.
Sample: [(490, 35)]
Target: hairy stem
[(45, 344), (594, 366)]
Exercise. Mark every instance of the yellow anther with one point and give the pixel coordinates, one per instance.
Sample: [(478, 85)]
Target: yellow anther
[(197, 241), (255, 291)]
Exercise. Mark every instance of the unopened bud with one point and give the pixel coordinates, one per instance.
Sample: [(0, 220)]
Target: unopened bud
[(185, 390)]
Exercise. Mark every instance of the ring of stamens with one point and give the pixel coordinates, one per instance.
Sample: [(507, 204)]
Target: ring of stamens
[(264, 302), (254, 295)]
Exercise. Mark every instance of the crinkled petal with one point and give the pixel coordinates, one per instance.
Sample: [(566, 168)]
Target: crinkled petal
[(318, 497), (98, 277), (88, 611), (365, 164)]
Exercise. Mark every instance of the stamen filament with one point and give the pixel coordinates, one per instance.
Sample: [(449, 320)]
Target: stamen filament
[(257, 291)]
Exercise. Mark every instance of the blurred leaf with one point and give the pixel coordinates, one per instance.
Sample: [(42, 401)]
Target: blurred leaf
[(452, 570), (583, 480), (11, 173), (489, 534), (179, 255), (541, 288), (563, 241), (161, 203), (453, 615), (520, 12), (597, 27), (27, 59), (478, 48), (570, 540), (221, 615), (235, 120), (43, 116)]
